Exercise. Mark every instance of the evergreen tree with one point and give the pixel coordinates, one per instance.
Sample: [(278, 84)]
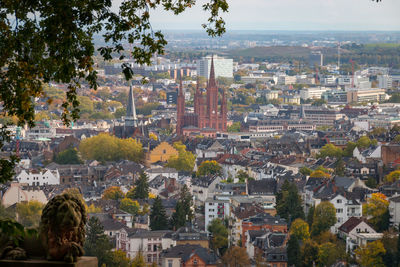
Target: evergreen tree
[(158, 218), (97, 243), (142, 187), (384, 221), (293, 251), (183, 210), (310, 216), (288, 202)]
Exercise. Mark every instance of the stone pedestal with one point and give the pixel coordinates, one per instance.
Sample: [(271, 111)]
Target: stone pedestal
[(82, 262)]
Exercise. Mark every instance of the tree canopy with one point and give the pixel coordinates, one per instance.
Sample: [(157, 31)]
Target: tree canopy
[(324, 218), (113, 192), (184, 161), (105, 147), (209, 167)]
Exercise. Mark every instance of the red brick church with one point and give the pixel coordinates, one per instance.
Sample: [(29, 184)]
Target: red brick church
[(208, 116)]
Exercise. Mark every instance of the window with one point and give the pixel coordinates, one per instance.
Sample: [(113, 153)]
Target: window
[(339, 201), (148, 258), (148, 247), (169, 263), (164, 151), (195, 261)]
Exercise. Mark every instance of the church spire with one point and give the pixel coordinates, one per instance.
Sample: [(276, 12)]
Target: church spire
[(131, 109), (211, 80)]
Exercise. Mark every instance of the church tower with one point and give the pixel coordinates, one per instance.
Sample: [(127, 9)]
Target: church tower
[(180, 110), (212, 99), (131, 118)]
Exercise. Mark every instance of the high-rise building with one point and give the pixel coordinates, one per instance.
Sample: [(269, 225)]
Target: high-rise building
[(206, 114), (316, 58), (223, 67)]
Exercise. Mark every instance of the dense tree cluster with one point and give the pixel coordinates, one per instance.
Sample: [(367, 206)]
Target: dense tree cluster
[(105, 147)]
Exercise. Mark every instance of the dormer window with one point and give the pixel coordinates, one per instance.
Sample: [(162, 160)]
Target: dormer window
[(195, 261)]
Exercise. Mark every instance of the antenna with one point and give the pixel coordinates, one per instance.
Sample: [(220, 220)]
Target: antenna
[(338, 57)]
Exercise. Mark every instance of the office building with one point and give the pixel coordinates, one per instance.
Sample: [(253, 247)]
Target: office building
[(223, 67)]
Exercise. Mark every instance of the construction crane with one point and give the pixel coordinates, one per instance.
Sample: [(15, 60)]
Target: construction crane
[(352, 70)]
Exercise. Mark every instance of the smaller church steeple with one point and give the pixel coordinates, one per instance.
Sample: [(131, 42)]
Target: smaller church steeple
[(131, 118)]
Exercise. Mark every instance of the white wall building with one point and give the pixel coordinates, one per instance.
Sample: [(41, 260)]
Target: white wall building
[(216, 208), (345, 208), (394, 209), (17, 193), (313, 92), (47, 177), (223, 67), (385, 81)]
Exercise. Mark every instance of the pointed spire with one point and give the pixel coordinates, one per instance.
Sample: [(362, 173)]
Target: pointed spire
[(131, 109), (180, 87), (211, 80)]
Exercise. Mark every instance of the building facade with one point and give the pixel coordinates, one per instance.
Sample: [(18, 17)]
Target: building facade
[(223, 67), (207, 114)]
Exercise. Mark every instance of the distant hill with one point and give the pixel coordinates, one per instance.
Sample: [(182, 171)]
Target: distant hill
[(277, 53)]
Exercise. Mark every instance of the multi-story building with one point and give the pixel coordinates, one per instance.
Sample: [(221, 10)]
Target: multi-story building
[(355, 95), (313, 92), (322, 116), (385, 81), (335, 96), (216, 208), (281, 125), (149, 243), (223, 66), (286, 80), (47, 177), (345, 209)]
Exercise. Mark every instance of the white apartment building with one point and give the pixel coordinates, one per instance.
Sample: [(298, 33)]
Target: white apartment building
[(313, 92), (47, 177), (385, 81), (149, 243), (286, 80), (394, 209), (223, 67), (345, 208), (216, 208)]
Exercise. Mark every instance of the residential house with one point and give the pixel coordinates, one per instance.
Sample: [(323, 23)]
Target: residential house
[(47, 177), (188, 256), (149, 243), (17, 193), (191, 236), (260, 222), (204, 187), (349, 230), (165, 172), (370, 153)]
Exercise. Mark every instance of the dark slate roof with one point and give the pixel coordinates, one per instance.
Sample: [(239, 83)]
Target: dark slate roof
[(262, 187), (276, 255), (185, 252), (265, 218)]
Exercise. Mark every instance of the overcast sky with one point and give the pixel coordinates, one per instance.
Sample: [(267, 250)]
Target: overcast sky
[(360, 15)]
